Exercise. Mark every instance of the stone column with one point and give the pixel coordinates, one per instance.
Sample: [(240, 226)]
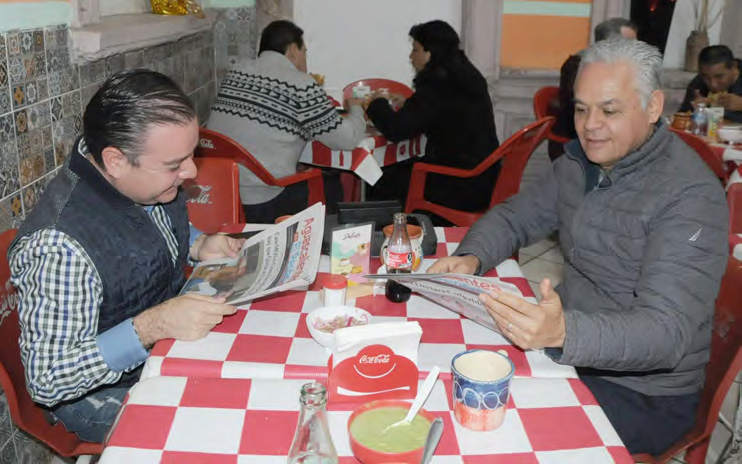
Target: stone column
[(731, 34), (481, 26), (268, 11), (606, 9)]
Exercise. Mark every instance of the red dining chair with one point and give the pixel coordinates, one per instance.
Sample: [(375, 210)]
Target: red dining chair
[(215, 145), (706, 153), (214, 195), (27, 415), (514, 153), (543, 101), (723, 367), (378, 83)]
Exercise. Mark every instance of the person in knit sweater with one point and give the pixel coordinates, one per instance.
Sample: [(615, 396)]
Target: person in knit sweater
[(273, 108)]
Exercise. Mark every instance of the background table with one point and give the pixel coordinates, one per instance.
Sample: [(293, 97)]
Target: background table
[(180, 420), (268, 338), (366, 160)]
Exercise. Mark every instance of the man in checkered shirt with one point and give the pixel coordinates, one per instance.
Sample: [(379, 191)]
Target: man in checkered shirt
[(100, 260)]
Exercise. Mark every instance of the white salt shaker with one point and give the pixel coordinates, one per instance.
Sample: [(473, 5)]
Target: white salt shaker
[(334, 287)]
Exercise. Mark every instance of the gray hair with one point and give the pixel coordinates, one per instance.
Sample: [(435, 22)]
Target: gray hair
[(647, 61), (610, 29)]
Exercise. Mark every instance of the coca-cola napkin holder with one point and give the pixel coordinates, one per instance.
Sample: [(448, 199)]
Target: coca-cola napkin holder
[(374, 362)]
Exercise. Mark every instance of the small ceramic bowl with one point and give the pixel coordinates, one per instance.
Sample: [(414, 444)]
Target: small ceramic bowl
[(730, 134), (371, 456), (327, 315)]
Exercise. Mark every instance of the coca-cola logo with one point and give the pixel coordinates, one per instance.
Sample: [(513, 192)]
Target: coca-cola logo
[(206, 143), (199, 194), (375, 361)]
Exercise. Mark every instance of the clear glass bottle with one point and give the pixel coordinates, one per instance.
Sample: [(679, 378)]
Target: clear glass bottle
[(399, 259), (700, 120), (312, 441)]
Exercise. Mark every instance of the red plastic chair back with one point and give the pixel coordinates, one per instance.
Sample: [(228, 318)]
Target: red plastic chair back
[(215, 145), (514, 153), (723, 367), (214, 195), (706, 153), (26, 414), (378, 83), (543, 101)]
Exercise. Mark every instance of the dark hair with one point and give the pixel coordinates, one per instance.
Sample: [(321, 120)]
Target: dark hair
[(716, 54), (611, 28), (447, 61), (278, 35), (126, 105)]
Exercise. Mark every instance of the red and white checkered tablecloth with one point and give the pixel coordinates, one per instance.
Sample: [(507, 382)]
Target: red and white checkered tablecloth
[(366, 160), (206, 420), (268, 338)]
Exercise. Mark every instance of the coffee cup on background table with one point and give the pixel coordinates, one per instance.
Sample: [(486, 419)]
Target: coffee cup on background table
[(481, 388)]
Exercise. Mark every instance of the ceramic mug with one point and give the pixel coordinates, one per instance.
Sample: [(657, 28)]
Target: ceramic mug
[(416, 234), (481, 388)]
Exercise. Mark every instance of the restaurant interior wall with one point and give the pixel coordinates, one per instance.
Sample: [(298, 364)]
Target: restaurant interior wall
[(354, 39), (43, 95)]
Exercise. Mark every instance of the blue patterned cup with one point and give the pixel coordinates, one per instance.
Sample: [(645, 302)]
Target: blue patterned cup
[(481, 388)]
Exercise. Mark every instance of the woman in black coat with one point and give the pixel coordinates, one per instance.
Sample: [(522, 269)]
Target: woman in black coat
[(452, 107)]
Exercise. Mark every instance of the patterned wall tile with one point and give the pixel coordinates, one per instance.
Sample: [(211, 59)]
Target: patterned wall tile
[(93, 72), (9, 179), (63, 76), (27, 67), (43, 97), (11, 211)]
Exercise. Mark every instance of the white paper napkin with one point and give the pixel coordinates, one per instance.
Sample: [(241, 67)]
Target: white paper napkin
[(402, 337)]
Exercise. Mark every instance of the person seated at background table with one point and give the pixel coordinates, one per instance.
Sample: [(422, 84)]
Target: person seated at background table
[(452, 107), (272, 107), (99, 261), (718, 83), (642, 227), (564, 126)]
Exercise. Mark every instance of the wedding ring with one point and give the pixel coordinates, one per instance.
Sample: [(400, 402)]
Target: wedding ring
[(510, 327)]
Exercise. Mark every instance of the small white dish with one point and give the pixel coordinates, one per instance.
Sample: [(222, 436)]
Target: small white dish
[(730, 134), (332, 318)]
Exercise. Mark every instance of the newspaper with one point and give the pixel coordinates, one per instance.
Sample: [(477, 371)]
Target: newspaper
[(282, 257), (457, 292)]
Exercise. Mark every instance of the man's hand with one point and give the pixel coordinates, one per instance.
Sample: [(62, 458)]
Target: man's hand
[(351, 102), (186, 317), (529, 326), (397, 100), (730, 101), (215, 247), (698, 98), (456, 264)]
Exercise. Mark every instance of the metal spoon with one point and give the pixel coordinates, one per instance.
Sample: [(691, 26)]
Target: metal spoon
[(431, 442)]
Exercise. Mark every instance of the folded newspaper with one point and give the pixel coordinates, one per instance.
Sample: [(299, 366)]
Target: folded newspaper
[(457, 292), (282, 257)]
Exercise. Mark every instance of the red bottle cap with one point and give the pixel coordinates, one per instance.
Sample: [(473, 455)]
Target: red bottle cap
[(334, 282)]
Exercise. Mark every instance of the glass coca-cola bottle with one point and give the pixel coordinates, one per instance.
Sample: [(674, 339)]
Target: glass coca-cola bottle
[(399, 259), (312, 441)]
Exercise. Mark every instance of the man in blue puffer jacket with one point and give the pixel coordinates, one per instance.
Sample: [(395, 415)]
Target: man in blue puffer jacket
[(643, 228)]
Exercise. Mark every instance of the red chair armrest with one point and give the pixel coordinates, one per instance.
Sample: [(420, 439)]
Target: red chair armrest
[(445, 170), (299, 177)]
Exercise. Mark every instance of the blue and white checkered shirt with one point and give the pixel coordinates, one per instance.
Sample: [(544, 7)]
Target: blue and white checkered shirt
[(60, 293)]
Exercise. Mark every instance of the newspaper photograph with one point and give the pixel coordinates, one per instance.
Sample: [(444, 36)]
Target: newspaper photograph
[(456, 292), (282, 257)]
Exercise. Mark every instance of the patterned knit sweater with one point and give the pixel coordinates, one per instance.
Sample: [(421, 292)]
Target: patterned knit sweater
[(273, 110)]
